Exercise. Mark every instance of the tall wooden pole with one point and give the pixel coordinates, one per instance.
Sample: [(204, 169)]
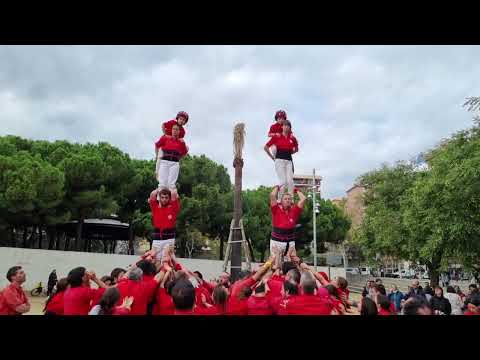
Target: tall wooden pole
[(238, 142)]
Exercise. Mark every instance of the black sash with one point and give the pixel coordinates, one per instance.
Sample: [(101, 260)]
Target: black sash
[(283, 235), (284, 154), (164, 234), (171, 155)]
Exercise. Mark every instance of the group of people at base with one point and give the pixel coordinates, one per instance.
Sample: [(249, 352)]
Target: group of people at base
[(283, 285), (418, 300)]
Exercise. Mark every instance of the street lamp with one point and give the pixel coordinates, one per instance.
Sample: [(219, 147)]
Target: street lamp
[(315, 211)]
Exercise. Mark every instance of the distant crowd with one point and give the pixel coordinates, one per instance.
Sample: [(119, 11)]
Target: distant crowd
[(419, 301)]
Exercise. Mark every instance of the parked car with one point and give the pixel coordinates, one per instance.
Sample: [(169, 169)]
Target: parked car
[(352, 270), (405, 274), (366, 271), (391, 275)]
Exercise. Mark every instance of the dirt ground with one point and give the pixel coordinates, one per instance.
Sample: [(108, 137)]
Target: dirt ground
[(37, 303)]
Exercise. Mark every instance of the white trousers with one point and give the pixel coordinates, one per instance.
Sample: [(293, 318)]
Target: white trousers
[(161, 246), (281, 245), (285, 175), (167, 174), (159, 158)]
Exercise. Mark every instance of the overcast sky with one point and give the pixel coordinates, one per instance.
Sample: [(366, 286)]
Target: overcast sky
[(352, 107)]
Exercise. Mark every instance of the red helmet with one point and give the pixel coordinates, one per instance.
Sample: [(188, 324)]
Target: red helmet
[(184, 114), (280, 113)]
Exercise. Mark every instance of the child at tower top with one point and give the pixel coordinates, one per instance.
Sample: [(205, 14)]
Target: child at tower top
[(180, 120), (276, 129)]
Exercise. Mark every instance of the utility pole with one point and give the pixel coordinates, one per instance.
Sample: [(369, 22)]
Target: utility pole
[(314, 211)]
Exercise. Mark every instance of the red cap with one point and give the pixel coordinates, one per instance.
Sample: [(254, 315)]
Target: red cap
[(280, 113)]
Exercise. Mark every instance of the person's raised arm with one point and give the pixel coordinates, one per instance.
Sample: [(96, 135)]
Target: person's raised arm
[(302, 199), (317, 276), (153, 195), (96, 280), (273, 196), (174, 195), (166, 276), (267, 150), (264, 269)]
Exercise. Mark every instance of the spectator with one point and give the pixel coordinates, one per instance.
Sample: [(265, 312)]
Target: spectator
[(416, 305), (460, 293), (13, 300), (472, 290), (395, 298), (107, 305), (368, 307), (384, 305), (473, 305), (52, 281), (428, 289), (428, 293), (455, 301), (415, 291), (367, 290), (379, 289), (439, 304), (54, 304)]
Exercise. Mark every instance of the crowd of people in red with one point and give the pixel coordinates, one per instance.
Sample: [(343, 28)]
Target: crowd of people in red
[(152, 287)]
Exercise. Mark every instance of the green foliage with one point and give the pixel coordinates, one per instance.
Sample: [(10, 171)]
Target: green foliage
[(429, 216)]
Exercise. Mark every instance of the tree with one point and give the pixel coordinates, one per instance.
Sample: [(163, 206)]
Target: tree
[(427, 216), (257, 219), (86, 195), (382, 230), (31, 191)]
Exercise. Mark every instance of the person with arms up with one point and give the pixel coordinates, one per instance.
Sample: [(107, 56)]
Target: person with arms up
[(284, 220)]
